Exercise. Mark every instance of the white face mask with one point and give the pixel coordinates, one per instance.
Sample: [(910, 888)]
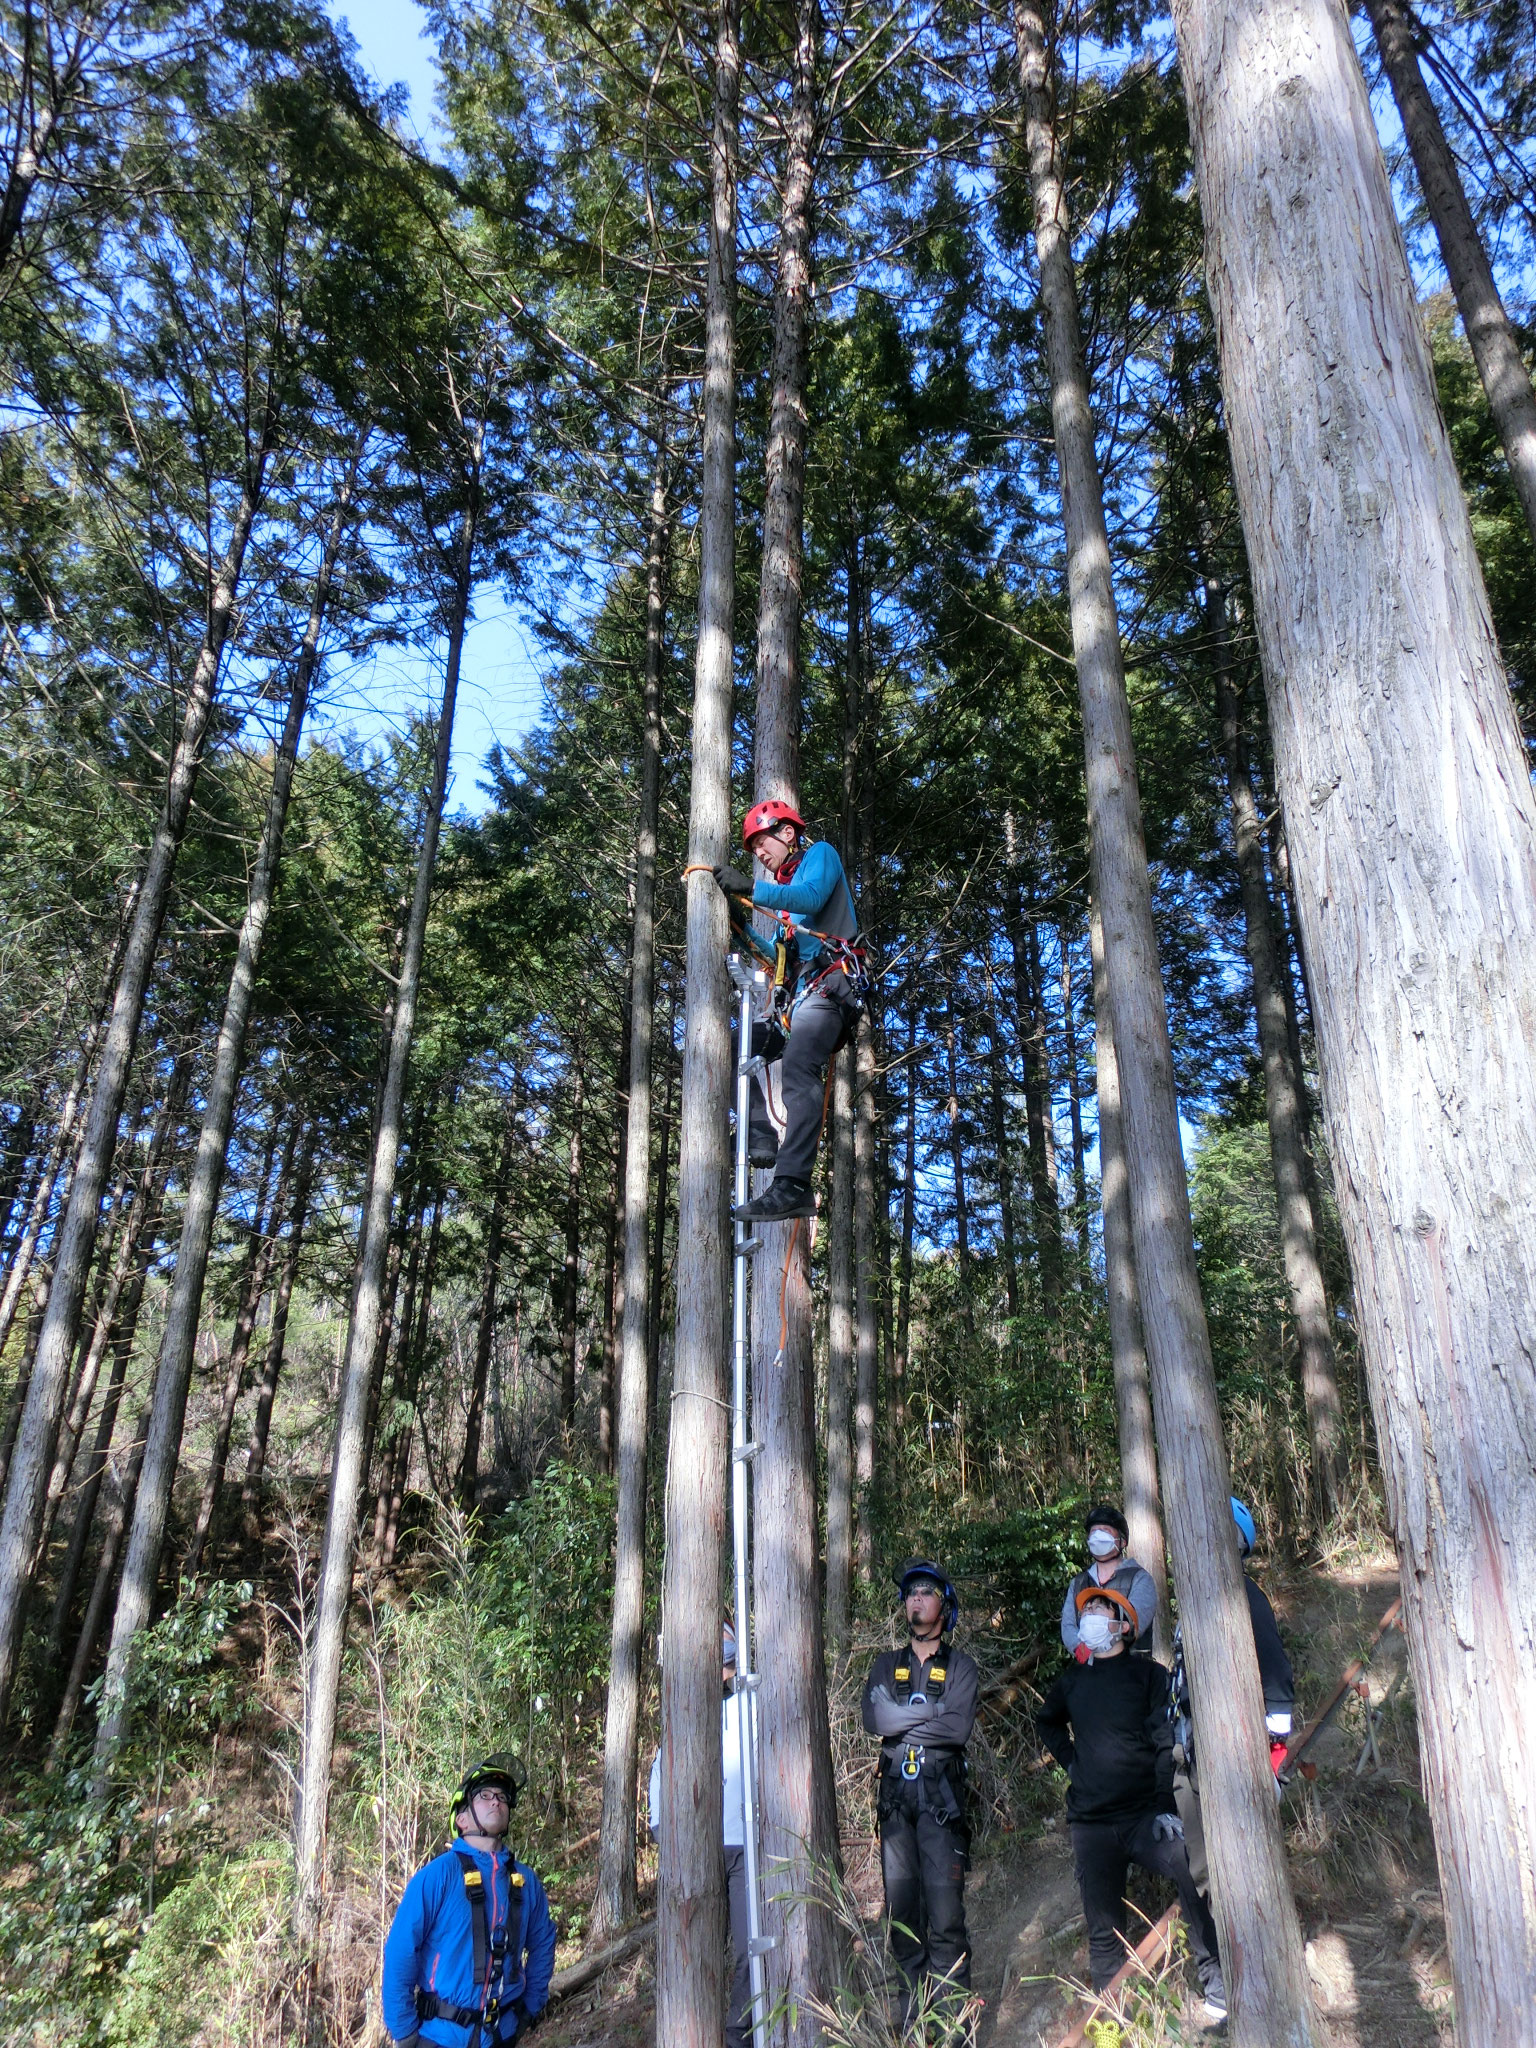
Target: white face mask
[(1102, 1543), (1098, 1631)]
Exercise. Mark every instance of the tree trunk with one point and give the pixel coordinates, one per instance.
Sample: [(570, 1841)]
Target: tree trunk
[(995, 1072), (18, 1154), (134, 1245), (485, 1328), (690, 1916), (1255, 1910), (659, 1231), (334, 1589), (570, 1272), (1412, 829), (259, 1262), (101, 1592), (1044, 1198), (162, 1449), (1133, 1387), (1494, 343), (1074, 1099), (840, 1344), (277, 1334), (866, 1296), (615, 1903), (799, 1810), (898, 1400), (121, 1341), (957, 1167), (66, 1135), (33, 1457), (1282, 1095)]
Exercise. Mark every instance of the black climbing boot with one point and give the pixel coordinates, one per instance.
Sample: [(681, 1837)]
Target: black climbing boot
[(779, 1201), (762, 1148)]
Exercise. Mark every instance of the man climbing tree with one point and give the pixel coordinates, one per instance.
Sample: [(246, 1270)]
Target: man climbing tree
[(816, 1005)]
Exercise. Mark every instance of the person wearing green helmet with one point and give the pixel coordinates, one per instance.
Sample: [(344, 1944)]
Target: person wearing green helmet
[(471, 1948)]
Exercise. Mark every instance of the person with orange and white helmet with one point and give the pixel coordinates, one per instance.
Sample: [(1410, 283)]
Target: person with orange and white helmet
[(806, 883)]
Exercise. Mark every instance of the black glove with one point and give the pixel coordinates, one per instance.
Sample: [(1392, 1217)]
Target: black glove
[(409, 2041), (526, 2020), (733, 881)]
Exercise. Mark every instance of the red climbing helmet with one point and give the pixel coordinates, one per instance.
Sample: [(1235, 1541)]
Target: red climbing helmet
[(763, 818)]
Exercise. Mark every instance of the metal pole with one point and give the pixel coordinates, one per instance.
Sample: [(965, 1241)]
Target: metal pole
[(743, 1451)]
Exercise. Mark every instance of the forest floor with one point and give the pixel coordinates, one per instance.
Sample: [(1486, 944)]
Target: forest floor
[(1361, 1856)]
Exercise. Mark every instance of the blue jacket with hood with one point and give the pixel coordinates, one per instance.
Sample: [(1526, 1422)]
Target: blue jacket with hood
[(430, 1946)]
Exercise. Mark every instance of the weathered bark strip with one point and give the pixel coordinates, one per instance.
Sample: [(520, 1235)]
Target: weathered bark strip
[(485, 1328), (691, 1919), (1412, 831), (615, 1903), (277, 1334), (1251, 1894), (1282, 1095), (1494, 343)]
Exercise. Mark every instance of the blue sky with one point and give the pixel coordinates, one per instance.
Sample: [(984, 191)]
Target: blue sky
[(499, 690)]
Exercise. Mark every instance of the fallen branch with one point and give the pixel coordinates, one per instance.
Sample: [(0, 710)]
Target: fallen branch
[(1005, 1690), (564, 1982), (1299, 1743), (1150, 1944)]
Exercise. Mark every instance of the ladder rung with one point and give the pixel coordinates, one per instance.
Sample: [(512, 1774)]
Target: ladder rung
[(745, 1453), (746, 1247), (756, 1065), (762, 1944)]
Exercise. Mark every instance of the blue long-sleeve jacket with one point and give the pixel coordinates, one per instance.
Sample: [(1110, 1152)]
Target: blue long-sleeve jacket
[(430, 1946), (816, 896)]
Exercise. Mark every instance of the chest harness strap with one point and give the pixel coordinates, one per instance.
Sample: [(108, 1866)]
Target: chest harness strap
[(490, 1954), (938, 1673)]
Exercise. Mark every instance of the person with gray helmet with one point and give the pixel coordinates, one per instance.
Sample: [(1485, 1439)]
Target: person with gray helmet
[(738, 2023), (921, 1702), (1110, 1564)]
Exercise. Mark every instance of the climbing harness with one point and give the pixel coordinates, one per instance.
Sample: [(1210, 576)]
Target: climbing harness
[(490, 1954), (748, 984)]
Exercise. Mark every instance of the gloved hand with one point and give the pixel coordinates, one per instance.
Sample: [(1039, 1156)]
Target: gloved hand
[(1167, 1828), (733, 881), (409, 2041), (526, 2020), (892, 1717)]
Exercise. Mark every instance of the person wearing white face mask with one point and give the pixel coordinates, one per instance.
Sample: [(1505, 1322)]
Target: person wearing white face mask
[(1105, 1721), (1110, 1564)]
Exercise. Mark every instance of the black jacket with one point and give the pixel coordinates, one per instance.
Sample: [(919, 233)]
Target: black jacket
[(1275, 1673), (1106, 1724)]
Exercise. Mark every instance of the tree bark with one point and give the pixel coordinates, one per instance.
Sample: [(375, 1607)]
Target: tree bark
[(1494, 343), (33, 1457), (1133, 1386), (334, 1589), (101, 1592), (866, 1296), (840, 1345), (1256, 1915), (1412, 829), (1282, 1095), (957, 1166), (615, 1904), (1045, 1200), (162, 1449), (690, 1917)]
